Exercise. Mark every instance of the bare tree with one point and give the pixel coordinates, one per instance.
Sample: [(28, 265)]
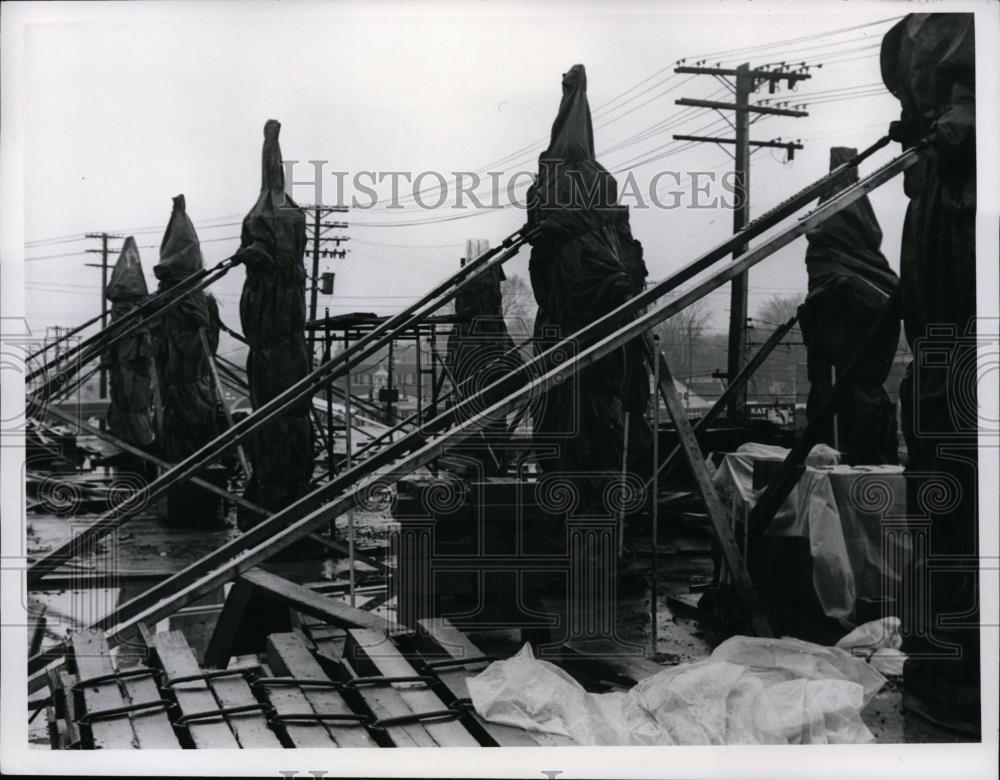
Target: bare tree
[(518, 307), (777, 311), (682, 335)]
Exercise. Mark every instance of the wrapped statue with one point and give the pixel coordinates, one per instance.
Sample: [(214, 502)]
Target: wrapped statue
[(850, 282), (481, 352), (131, 370), (928, 63), (273, 315), (577, 276), (190, 401)]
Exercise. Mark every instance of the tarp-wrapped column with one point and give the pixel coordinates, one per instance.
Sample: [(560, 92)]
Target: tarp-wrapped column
[(190, 403), (273, 314), (577, 276), (928, 63), (849, 285), (481, 352), (189, 400), (130, 360)]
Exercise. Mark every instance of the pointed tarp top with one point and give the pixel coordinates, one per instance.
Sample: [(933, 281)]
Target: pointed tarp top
[(572, 131), (272, 175), (127, 280), (180, 253)]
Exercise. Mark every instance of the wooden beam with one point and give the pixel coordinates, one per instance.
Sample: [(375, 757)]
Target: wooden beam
[(177, 659), (732, 107), (764, 144), (287, 654), (311, 603), (287, 700), (250, 727), (92, 659), (221, 643), (717, 514), (374, 650), (757, 73)]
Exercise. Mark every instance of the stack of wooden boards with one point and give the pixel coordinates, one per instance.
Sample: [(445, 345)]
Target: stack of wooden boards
[(315, 686)]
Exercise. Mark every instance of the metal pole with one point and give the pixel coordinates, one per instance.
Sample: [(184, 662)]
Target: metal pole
[(314, 289), (741, 216), (348, 441), (390, 384), (330, 454), (104, 304), (656, 496), (420, 375)]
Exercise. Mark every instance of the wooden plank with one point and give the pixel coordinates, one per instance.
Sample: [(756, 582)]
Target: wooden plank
[(379, 652), (311, 603), (440, 635), (720, 524), (251, 727), (152, 728), (384, 702), (61, 683), (327, 641), (233, 609), (288, 655), (177, 659), (93, 659), (288, 701)]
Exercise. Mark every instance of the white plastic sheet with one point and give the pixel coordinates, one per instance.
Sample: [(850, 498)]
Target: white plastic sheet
[(831, 509), (749, 691), (878, 642)]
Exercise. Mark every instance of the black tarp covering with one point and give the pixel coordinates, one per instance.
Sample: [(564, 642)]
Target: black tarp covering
[(131, 370), (480, 352), (928, 63), (849, 284), (577, 276), (189, 399), (273, 314)]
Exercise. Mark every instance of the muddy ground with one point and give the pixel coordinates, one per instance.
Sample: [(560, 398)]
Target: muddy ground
[(147, 550)]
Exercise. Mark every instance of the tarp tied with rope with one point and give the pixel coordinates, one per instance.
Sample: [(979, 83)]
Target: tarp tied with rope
[(577, 275), (480, 349), (189, 399), (928, 62), (849, 284), (273, 314), (131, 378)]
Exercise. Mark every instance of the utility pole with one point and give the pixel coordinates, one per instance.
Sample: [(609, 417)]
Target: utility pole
[(747, 80), (103, 265), (318, 228)]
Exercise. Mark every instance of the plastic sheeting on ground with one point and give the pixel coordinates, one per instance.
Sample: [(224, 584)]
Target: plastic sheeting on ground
[(839, 509), (878, 642), (749, 691)]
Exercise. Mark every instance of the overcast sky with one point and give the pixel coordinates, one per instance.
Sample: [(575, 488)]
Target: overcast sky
[(130, 104)]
